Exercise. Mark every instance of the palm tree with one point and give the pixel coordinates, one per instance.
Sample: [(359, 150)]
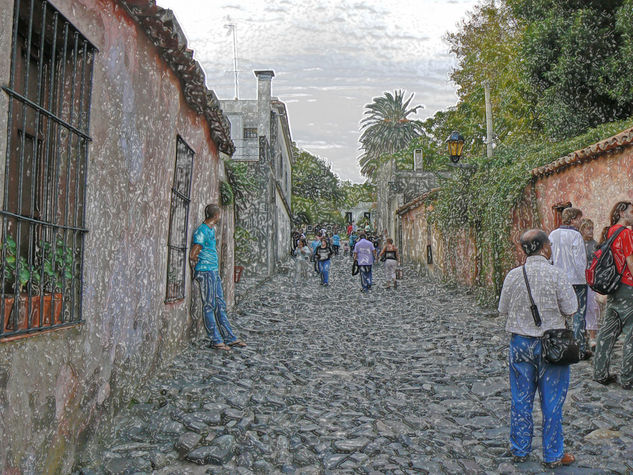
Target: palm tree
[(386, 129)]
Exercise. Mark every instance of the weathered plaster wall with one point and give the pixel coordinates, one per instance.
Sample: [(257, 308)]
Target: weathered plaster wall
[(242, 114), (594, 186), (396, 187), (6, 26), (283, 238), (452, 256), (58, 387)]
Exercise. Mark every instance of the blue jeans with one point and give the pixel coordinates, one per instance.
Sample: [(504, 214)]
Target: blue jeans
[(529, 371), (578, 323), (214, 308), (324, 270), (365, 277)]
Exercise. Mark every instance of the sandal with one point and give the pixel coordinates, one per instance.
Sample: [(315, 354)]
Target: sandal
[(238, 343), (221, 346)]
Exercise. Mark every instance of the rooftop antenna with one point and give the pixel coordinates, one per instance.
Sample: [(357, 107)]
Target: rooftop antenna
[(233, 29)]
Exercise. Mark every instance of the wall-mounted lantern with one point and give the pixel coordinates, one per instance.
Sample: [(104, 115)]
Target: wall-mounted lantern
[(455, 146)]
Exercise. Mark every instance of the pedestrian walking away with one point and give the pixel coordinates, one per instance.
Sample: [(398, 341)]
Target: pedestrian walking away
[(203, 258), (302, 261), (336, 243), (569, 255), (618, 317), (555, 299), (365, 254), (353, 239), (323, 254), (391, 257)]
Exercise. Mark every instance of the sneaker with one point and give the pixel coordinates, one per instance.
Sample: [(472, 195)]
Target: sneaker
[(606, 381), (567, 459)]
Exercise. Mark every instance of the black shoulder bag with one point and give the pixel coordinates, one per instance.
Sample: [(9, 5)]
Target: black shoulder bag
[(559, 345)]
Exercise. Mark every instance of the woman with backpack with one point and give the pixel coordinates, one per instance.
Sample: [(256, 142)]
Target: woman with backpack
[(618, 316)]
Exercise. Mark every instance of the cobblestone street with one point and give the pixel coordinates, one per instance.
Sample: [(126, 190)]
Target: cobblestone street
[(412, 380)]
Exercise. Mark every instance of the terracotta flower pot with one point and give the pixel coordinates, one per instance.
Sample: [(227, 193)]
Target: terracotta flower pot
[(21, 319)]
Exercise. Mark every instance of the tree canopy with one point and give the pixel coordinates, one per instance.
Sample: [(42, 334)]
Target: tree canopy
[(318, 195)]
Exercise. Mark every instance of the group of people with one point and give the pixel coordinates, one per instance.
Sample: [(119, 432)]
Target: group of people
[(363, 249), (554, 275)]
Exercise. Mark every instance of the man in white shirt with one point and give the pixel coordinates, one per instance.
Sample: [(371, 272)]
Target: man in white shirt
[(569, 255)]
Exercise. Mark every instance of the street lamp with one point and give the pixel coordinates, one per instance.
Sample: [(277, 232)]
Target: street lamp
[(455, 146)]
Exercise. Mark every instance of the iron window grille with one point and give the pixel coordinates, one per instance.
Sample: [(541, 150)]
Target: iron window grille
[(250, 133), (178, 223), (43, 210)]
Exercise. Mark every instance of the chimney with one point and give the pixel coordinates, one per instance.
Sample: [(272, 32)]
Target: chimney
[(264, 93)]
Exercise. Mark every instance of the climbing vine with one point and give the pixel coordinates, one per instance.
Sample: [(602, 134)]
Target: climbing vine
[(483, 201), (226, 193), (240, 181)]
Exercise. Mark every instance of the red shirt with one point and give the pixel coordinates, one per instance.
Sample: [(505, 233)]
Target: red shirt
[(349, 229), (622, 248)]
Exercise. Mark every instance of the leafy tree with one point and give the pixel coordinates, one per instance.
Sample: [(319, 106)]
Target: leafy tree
[(386, 128), (487, 48), (574, 54), (316, 192), (313, 178), (356, 193)]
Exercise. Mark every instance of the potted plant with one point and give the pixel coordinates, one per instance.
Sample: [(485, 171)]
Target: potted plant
[(45, 280)]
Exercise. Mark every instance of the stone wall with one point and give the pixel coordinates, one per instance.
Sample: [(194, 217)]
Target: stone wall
[(394, 188), (592, 179), (57, 388)]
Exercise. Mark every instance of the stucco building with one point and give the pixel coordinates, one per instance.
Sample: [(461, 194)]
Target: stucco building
[(261, 132), (113, 146)]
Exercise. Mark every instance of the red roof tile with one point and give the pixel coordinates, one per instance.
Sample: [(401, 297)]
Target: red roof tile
[(163, 30), (590, 153)]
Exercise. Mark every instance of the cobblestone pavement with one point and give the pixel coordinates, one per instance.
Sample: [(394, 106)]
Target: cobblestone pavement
[(412, 380)]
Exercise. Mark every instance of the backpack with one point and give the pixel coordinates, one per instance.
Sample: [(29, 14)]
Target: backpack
[(602, 275)]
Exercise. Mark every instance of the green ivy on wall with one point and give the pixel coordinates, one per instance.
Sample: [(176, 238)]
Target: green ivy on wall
[(483, 201), (226, 193)]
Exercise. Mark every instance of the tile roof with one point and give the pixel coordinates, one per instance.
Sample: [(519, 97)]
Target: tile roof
[(163, 30), (414, 203), (590, 153)]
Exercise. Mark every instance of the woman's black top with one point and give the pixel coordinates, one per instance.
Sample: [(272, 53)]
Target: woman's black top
[(391, 255)]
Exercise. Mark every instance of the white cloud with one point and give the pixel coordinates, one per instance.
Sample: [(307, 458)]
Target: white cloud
[(330, 57)]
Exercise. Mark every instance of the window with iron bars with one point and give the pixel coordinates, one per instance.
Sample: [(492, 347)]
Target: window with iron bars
[(250, 133), (43, 210), (178, 222)]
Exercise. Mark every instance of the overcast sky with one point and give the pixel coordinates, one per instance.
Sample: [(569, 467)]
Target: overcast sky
[(330, 58)]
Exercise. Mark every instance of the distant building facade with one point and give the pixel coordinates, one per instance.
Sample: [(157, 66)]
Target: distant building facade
[(395, 187), (261, 133)]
